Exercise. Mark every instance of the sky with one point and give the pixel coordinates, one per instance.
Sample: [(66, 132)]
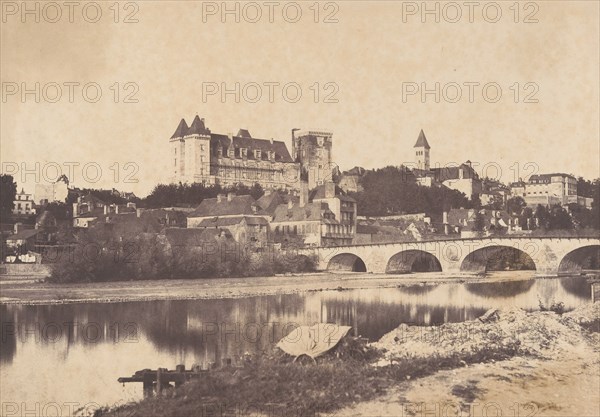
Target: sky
[(361, 68)]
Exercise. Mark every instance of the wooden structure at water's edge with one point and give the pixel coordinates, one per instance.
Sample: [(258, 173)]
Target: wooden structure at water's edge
[(161, 378)]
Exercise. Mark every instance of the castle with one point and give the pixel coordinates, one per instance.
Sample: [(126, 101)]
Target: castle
[(198, 155)]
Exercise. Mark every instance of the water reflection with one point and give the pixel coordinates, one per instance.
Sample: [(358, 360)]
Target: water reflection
[(67, 342)]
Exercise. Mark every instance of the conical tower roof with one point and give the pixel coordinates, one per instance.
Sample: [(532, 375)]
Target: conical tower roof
[(197, 127), (422, 141), (181, 130)]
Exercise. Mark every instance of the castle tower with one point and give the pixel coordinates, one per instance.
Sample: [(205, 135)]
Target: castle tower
[(177, 149), (422, 152), (313, 150), (190, 152)]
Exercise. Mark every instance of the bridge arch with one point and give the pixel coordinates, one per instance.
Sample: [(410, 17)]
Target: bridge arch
[(497, 258), (346, 262), (585, 257), (413, 260)]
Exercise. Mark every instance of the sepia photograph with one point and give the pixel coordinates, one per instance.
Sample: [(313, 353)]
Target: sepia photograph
[(308, 208)]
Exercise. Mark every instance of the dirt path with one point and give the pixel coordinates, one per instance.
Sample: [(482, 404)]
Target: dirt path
[(517, 387), (562, 380)]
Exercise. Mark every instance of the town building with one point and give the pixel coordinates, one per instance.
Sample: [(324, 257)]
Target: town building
[(240, 215), (23, 203), (350, 180), (462, 178), (325, 217), (549, 189), (464, 222), (51, 192), (199, 155)]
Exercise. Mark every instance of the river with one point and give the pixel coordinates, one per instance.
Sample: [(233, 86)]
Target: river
[(59, 357)]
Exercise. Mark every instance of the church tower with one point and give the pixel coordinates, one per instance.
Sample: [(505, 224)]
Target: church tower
[(422, 152)]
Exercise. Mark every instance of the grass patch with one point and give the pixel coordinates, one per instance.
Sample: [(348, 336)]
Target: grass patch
[(275, 385)]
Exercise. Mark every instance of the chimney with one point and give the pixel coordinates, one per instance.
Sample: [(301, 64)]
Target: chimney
[(445, 222), (230, 135), (271, 141), (329, 189), (75, 209), (229, 196), (303, 193), (138, 212)]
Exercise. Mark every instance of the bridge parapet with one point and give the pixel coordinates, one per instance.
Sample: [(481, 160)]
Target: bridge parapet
[(459, 255)]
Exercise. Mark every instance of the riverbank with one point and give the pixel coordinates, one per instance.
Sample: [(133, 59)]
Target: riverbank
[(517, 363), (32, 292)]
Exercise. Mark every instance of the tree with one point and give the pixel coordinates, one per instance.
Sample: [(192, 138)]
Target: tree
[(479, 223), (394, 190), (515, 206), (8, 191), (559, 219), (496, 203)]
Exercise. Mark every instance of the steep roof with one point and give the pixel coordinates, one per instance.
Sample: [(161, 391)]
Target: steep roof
[(239, 205), (318, 193), (181, 130), (243, 133), (548, 177), (310, 212), (214, 222), (269, 202), (197, 127), (422, 141), (453, 173), (24, 234), (251, 144)]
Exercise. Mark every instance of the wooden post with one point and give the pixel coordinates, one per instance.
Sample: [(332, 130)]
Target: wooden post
[(159, 382), (180, 376), (147, 385)]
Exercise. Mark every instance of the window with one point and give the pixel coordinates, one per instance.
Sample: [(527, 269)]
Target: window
[(244, 152), (257, 153)]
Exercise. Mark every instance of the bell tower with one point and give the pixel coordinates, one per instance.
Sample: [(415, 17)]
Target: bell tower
[(422, 152)]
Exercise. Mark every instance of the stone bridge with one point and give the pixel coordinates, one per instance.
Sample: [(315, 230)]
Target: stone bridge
[(549, 255)]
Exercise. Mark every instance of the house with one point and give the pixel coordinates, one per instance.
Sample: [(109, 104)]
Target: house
[(240, 215), (464, 222), (350, 180), (23, 203), (462, 178), (548, 190), (342, 206), (308, 224)]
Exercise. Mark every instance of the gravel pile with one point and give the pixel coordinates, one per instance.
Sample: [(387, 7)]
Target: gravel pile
[(543, 334)]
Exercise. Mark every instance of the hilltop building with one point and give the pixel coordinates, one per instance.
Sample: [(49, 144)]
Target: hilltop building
[(199, 155), (549, 189), (462, 178)]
